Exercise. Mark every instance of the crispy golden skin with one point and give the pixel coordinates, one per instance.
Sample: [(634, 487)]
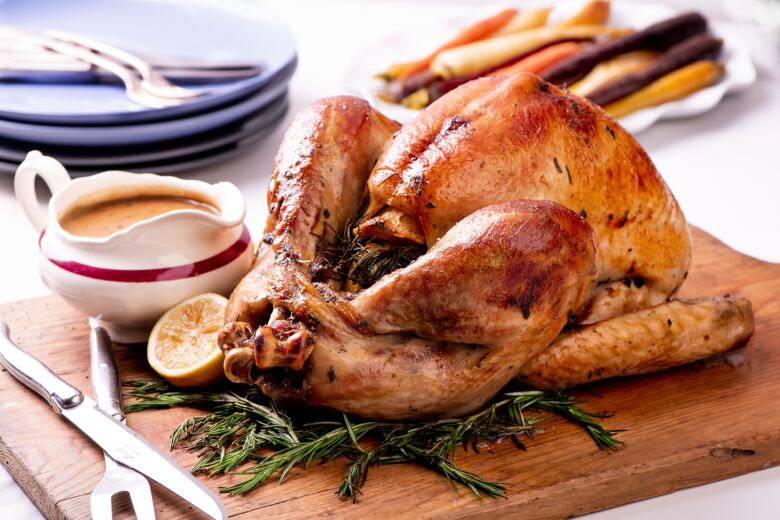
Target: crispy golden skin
[(468, 338), (317, 186), (508, 276), (461, 350), (506, 138), (652, 339), (603, 241)]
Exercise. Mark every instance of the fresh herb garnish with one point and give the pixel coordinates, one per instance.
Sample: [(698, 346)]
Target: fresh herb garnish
[(245, 433), (363, 262)]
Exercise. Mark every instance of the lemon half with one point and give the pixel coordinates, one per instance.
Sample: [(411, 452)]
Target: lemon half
[(183, 345)]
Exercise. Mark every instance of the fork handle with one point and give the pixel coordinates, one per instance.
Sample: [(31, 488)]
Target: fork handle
[(105, 379)]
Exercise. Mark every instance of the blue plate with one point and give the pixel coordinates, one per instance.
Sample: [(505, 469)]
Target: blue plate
[(84, 157), (118, 135), (179, 164), (176, 29)]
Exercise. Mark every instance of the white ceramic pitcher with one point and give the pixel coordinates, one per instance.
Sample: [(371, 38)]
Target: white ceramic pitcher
[(127, 279)]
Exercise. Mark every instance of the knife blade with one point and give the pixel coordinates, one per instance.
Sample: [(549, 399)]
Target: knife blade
[(120, 442)]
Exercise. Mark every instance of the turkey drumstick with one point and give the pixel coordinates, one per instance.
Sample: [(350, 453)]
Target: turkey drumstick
[(489, 296)]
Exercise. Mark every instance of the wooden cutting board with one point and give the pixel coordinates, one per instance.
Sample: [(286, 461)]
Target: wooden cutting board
[(687, 426)]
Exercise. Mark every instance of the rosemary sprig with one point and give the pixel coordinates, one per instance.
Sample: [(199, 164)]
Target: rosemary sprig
[(567, 407), (363, 262), (231, 414), (244, 433)]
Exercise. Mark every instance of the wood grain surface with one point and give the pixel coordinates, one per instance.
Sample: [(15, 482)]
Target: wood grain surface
[(687, 426)]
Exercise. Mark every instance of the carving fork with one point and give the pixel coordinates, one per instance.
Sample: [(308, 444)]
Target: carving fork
[(118, 478)]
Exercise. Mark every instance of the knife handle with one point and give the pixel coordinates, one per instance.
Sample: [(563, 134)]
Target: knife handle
[(105, 379), (27, 369)]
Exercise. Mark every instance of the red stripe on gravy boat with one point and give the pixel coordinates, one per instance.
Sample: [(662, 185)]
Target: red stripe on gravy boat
[(162, 274)]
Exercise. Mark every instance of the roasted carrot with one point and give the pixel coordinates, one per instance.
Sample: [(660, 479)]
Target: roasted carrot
[(478, 56), (417, 100), (612, 69), (481, 29), (392, 72), (695, 48), (441, 86), (539, 61), (657, 37), (594, 12), (400, 88), (524, 20), (675, 85)]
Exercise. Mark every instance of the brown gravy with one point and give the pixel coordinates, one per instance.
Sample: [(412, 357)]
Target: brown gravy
[(105, 217)]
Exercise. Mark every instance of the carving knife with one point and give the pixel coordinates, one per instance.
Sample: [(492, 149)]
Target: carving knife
[(117, 440)]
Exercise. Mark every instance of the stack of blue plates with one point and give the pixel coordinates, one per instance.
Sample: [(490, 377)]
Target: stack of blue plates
[(93, 126)]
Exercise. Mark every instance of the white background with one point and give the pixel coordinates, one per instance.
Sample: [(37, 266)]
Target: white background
[(723, 167)]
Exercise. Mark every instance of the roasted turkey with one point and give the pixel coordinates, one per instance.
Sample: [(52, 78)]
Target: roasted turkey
[(550, 250)]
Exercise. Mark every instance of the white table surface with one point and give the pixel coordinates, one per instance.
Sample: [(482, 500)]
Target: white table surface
[(722, 167)]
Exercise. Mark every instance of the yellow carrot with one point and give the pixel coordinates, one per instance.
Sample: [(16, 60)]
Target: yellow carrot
[(541, 60), (675, 85), (478, 56), (393, 71), (524, 20), (612, 69), (595, 12), (417, 100), (478, 31)]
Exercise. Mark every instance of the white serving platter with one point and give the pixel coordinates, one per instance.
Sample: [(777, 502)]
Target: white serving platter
[(419, 39)]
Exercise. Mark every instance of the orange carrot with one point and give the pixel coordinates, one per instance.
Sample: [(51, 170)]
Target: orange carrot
[(481, 29), (595, 12), (539, 61)]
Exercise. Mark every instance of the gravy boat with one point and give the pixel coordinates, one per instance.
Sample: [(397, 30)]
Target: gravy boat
[(127, 279)]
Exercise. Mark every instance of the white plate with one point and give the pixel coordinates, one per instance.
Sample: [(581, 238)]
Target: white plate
[(739, 70)]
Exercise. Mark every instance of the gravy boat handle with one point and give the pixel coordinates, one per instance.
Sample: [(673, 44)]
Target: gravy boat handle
[(51, 171)]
